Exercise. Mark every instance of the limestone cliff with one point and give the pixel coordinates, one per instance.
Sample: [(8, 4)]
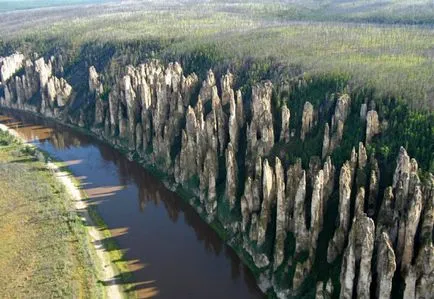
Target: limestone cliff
[(236, 157), (9, 65), (37, 84)]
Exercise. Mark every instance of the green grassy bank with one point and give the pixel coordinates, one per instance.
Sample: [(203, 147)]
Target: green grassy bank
[(45, 251)]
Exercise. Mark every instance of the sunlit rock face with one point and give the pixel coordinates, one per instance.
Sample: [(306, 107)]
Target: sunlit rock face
[(336, 245), (37, 82), (285, 132), (231, 177), (9, 65), (96, 90), (357, 258), (260, 131), (386, 266), (233, 155)]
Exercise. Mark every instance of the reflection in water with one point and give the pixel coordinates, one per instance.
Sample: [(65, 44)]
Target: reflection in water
[(167, 259)]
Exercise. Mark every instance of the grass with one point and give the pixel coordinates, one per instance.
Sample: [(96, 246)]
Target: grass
[(115, 254), (44, 248)]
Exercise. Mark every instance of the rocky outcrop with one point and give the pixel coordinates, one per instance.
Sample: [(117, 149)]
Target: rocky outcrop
[(399, 218), (205, 93), (411, 224), (96, 89), (285, 133), (333, 135), (386, 266), (187, 158), (317, 209), (363, 111), (425, 270), (357, 257), (306, 120), (268, 187), (294, 177), (372, 125), (246, 204), (374, 182), (299, 217), (95, 85), (208, 184), (324, 290), (205, 145), (39, 84), (281, 217), (387, 217), (326, 141), (231, 176), (306, 236), (58, 91), (342, 108), (360, 202), (226, 87), (428, 211), (9, 65), (362, 156), (336, 245), (260, 132)]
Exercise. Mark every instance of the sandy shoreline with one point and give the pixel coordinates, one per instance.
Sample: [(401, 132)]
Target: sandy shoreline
[(106, 271)]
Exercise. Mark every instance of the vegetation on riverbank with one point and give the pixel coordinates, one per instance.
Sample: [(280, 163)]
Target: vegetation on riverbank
[(44, 247)]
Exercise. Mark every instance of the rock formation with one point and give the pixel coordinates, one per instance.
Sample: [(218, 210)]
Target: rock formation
[(37, 81), (271, 200), (306, 120), (336, 245), (9, 65), (372, 125), (268, 187), (358, 255), (205, 93), (324, 290), (260, 132), (300, 230), (281, 218), (333, 135), (386, 267), (231, 176), (373, 187), (285, 131)]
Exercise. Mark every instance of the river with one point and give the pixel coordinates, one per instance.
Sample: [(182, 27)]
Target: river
[(172, 252)]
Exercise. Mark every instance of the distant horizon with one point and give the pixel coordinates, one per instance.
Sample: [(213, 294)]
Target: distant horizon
[(14, 5)]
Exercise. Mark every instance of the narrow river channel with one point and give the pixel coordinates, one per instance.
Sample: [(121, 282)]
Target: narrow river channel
[(172, 253)]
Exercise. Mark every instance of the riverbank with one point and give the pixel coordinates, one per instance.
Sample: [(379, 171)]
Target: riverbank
[(60, 249), (186, 194)]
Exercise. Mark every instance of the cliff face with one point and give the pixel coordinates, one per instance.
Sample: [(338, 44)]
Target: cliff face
[(36, 90), (221, 147), (9, 65)]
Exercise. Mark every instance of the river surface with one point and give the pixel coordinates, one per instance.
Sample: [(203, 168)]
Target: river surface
[(171, 251)]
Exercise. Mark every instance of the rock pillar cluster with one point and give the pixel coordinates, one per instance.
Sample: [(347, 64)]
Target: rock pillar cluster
[(223, 150), (36, 85)]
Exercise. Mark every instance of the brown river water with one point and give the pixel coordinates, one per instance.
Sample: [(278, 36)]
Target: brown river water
[(171, 251)]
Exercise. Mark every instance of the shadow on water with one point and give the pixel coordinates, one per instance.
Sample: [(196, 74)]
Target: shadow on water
[(171, 252)]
